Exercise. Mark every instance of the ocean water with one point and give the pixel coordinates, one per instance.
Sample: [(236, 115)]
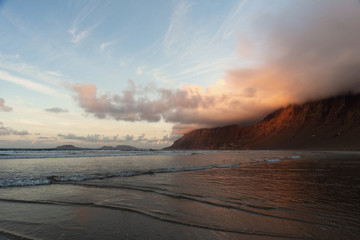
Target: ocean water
[(179, 195)]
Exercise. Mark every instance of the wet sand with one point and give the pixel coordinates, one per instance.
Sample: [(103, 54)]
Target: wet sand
[(270, 195), (8, 236)]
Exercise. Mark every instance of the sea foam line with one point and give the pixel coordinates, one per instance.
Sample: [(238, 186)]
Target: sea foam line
[(46, 180), (9, 235), (82, 154)]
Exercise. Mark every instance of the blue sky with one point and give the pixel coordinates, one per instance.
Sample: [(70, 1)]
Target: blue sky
[(93, 73)]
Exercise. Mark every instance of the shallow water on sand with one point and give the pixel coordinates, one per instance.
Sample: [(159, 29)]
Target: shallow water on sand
[(182, 195)]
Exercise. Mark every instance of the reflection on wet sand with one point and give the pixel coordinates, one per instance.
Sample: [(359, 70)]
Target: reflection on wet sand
[(272, 195)]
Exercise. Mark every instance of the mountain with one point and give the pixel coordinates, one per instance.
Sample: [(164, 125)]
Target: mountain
[(328, 124)]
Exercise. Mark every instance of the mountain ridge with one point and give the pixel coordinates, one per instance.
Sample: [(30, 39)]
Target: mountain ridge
[(329, 124)]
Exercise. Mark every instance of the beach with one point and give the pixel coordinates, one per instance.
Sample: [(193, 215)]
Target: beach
[(180, 195)]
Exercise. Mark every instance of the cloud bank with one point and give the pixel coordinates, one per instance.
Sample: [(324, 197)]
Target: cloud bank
[(5, 131), (307, 53), (311, 53), (128, 139)]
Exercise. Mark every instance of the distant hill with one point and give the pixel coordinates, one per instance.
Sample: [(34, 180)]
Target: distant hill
[(67, 147), (329, 124), (119, 147)]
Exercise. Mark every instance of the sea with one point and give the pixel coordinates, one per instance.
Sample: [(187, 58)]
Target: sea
[(114, 194)]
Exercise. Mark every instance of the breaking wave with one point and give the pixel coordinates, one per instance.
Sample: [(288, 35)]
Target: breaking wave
[(46, 180)]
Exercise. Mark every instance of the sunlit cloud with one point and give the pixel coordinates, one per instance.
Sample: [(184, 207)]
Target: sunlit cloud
[(189, 105)]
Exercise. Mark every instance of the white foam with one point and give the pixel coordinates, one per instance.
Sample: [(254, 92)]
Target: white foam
[(46, 180), (272, 160), (7, 154), (19, 182)]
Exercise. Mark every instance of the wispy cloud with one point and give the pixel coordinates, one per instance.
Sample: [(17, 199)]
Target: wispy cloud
[(56, 74), (80, 35), (3, 107), (15, 20), (199, 50), (80, 30), (229, 26), (29, 84), (104, 45), (176, 26), (13, 63)]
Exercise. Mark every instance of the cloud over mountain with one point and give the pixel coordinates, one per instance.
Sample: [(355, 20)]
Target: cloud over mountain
[(307, 53)]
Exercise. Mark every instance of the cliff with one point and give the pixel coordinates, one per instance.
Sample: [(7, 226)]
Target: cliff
[(329, 124)]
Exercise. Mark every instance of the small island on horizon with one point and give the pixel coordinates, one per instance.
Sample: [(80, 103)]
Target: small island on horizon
[(118, 147)]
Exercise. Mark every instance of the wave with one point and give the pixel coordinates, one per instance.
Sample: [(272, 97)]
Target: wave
[(243, 207), (166, 217), (84, 153), (272, 160), (8, 235), (21, 181), (50, 179)]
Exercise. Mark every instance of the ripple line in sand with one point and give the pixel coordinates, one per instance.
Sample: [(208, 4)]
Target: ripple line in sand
[(195, 199), (144, 213)]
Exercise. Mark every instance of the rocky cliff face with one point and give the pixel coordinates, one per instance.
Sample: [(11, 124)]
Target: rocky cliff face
[(332, 124)]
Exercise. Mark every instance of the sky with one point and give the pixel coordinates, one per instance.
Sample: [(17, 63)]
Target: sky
[(143, 73)]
